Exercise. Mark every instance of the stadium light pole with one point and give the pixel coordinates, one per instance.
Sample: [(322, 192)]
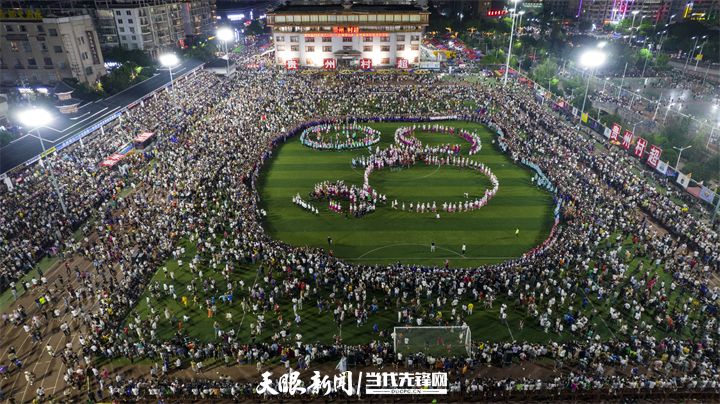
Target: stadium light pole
[(170, 60), (512, 31), (226, 35), (681, 149), (591, 59), (36, 118)]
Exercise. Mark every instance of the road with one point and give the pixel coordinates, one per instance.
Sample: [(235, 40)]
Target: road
[(28, 146)]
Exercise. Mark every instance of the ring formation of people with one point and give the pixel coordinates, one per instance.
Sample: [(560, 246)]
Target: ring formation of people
[(71, 332)]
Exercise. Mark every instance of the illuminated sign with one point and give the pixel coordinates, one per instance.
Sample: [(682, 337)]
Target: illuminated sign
[(346, 30), (496, 13), (402, 63), (316, 34), (20, 14), (366, 64), (292, 64), (329, 64)]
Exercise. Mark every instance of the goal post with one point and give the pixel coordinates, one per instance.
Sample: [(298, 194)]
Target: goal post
[(433, 340)]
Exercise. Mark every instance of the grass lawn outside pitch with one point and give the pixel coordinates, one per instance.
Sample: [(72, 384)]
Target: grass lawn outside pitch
[(390, 235), (316, 326)]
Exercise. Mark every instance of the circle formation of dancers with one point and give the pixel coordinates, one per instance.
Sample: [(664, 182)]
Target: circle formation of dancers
[(339, 136)]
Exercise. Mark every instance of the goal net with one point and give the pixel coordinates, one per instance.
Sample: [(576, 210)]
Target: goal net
[(433, 341)]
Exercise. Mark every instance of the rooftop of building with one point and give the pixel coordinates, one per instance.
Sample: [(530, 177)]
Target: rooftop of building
[(346, 6)]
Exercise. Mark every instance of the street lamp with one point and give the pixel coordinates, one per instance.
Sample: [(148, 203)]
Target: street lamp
[(591, 59), (697, 60), (170, 60), (682, 149), (687, 60), (634, 14), (521, 13), (226, 35), (666, 111), (636, 124), (512, 31), (662, 39), (37, 118)]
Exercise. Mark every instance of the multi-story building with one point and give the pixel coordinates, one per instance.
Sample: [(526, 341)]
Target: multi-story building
[(157, 24), (39, 50), (149, 28), (608, 11), (346, 34)]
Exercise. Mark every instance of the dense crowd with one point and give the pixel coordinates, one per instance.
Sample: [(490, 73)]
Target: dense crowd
[(201, 187)]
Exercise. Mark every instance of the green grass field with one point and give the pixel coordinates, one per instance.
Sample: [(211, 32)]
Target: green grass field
[(390, 235), (484, 323)]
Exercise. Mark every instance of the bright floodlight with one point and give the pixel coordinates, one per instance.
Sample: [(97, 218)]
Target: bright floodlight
[(635, 12), (592, 58), (225, 34), (169, 59), (522, 12), (34, 117)]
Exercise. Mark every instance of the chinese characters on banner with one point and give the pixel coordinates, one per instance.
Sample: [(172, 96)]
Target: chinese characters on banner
[(641, 144), (329, 64), (366, 64), (375, 383), (346, 30), (654, 156), (615, 133), (292, 64), (640, 147), (402, 63), (627, 139)]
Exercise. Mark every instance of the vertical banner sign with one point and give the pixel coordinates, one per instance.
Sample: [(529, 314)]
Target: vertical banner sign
[(627, 139), (615, 133), (654, 156), (329, 64), (291, 64), (640, 147), (366, 64), (402, 63), (93, 47)]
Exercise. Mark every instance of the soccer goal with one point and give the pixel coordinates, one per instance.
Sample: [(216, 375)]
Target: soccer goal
[(434, 341)]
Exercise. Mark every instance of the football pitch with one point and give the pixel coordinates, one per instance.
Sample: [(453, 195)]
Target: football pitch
[(387, 235), (391, 235)]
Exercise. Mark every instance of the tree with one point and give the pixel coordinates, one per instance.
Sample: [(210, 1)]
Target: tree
[(545, 71), (125, 76), (256, 27), (83, 90), (205, 51), (643, 54), (661, 61), (121, 55)]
